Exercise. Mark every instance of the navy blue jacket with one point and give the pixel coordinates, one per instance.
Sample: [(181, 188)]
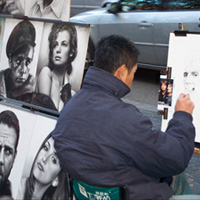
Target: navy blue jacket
[(101, 140)]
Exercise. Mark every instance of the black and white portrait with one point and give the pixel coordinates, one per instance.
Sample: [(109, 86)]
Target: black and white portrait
[(49, 9), (62, 61), (185, 61), (46, 178), (9, 138), (12, 7), (29, 141), (16, 127), (42, 175), (19, 56)]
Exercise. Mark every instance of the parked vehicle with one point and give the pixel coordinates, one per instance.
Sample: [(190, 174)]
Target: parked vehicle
[(79, 6), (146, 22)]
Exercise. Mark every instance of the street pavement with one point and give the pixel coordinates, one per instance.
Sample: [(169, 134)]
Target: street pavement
[(193, 170)]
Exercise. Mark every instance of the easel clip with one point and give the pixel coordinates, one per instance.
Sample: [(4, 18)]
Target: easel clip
[(167, 72), (163, 112)]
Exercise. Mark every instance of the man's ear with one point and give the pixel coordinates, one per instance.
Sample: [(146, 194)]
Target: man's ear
[(121, 72)]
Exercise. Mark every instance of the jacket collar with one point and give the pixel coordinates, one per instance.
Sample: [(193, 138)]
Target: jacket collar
[(106, 81)]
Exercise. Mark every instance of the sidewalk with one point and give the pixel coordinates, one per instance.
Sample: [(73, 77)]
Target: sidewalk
[(193, 170)]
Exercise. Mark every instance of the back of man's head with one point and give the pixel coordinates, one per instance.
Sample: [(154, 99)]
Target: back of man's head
[(10, 119), (114, 51)]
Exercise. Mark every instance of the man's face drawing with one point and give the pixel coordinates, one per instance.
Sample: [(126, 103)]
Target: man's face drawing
[(8, 139), (20, 65)]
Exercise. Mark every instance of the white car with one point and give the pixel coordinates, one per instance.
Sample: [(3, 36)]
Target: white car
[(147, 23)]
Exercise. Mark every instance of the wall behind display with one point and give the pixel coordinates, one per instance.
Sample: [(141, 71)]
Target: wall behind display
[(184, 60)]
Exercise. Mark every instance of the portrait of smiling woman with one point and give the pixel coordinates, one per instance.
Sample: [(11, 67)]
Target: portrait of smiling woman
[(54, 79), (46, 179)]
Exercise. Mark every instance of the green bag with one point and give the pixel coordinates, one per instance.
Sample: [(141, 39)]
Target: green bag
[(84, 191)]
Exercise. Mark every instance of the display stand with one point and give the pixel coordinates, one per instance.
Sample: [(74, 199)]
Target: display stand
[(37, 120)]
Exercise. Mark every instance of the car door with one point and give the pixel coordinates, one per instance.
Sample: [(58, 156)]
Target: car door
[(174, 14), (137, 25)]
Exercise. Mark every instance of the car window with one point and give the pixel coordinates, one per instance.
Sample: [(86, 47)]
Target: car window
[(128, 5), (183, 4)]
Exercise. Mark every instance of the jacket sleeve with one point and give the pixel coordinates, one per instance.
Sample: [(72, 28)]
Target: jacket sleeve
[(161, 154)]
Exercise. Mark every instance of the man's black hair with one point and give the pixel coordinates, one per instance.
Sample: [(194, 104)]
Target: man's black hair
[(114, 51)]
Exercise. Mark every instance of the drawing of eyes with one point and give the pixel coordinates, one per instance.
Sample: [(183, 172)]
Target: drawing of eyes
[(185, 74), (195, 73)]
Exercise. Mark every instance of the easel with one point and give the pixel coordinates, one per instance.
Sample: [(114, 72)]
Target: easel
[(181, 32)]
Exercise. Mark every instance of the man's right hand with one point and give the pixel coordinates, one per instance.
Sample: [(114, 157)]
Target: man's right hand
[(184, 103)]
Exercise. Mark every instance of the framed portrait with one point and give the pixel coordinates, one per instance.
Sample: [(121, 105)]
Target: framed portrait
[(19, 57), (54, 10), (33, 129), (61, 61), (183, 57), (10, 23)]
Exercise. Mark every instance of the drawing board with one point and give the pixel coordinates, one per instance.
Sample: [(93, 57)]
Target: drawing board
[(184, 60)]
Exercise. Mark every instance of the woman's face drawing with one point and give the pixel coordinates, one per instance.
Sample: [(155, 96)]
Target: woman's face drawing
[(191, 79), (61, 48), (46, 166)]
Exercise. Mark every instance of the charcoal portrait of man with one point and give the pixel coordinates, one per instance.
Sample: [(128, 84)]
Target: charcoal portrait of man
[(9, 137), (16, 79)]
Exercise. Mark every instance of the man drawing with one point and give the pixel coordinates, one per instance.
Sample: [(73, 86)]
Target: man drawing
[(9, 137)]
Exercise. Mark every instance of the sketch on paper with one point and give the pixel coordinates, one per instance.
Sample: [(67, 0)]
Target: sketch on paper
[(184, 59)]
